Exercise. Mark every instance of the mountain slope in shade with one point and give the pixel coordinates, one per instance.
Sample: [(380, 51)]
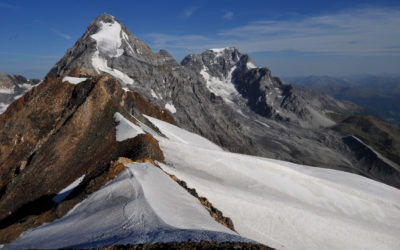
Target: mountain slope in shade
[(13, 87), (382, 136)]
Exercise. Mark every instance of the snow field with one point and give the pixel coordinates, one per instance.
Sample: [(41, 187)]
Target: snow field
[(285, 205), (125, 128), (141, 205)]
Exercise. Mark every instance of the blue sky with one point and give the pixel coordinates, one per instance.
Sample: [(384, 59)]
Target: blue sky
[(290, 37)]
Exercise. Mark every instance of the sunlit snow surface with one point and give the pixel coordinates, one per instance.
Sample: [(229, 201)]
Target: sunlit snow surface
[(74, 80), (141, 205), (125, 128), (280, 204), (108, 40), (8, 91), (285, 205)]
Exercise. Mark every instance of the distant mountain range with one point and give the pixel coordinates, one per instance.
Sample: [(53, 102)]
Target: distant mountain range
[(379, 95), (123, 146), (13, 87)]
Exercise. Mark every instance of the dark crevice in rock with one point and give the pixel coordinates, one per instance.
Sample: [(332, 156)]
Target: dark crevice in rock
[(2, 191), (35, 207), (192, 245), (29, 160)]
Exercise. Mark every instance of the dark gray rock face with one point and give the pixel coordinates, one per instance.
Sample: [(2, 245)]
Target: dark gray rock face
[(264, 94), (158, 78), (387, 170), (13, 87), (219, 94)]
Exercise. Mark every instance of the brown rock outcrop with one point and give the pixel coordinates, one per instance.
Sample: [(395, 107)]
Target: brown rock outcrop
[(58, 132)]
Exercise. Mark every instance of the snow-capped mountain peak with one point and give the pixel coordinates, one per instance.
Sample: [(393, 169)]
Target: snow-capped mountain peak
[(223, 51), (109, 39)]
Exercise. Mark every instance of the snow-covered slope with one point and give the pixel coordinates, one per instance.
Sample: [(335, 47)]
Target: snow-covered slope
[(141, 205), (285, 205), (280, 204)]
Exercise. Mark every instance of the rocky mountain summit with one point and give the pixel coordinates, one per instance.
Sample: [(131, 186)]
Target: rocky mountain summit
[(237, 79), (131, 146)]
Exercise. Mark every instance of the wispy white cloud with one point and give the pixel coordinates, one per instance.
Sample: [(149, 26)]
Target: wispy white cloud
[(188, 12), (370, 31), (61, 34), (363, 31), (228, 15)]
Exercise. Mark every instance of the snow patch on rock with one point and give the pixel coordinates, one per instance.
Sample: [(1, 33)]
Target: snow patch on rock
[(8, 91), (218, 52), (126, 39), (66, 191), (100, 64), (126, 129), (74, 80), (18, 96), (251, 65), (108, 40), (3, 107), (153, 94), (262, 123), (26, 86), (221, 87), (170, 107)]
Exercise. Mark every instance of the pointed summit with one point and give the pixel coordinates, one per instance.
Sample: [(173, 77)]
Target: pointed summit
[(107, 47), (106, 18)]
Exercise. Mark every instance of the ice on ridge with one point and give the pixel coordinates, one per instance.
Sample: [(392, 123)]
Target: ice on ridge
[(74, 80)]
